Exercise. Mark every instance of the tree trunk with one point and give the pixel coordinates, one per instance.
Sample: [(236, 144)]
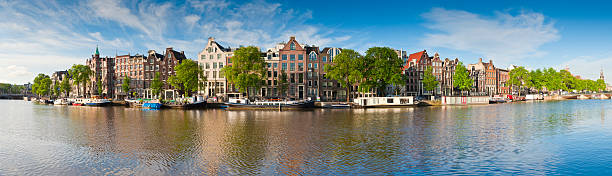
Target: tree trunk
[(348, 95)]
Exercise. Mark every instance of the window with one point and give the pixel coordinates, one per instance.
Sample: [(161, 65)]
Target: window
[(313, 56), (275, 65), (210, 57), (292, 67), (309, 65), (207, 65), (292, 46), (220, 64), (292, 57), (229, 60), (324, 59), (214, 65), (275, 73), (315, 65), (284, 57), (218, 56), (269, 73), (201, 57), (300, 57), (301, 66), (284, 66), (301, 78), (269, 65)]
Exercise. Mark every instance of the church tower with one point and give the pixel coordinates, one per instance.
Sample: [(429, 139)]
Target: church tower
[(601, 75)]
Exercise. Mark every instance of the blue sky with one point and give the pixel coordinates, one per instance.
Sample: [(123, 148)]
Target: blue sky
[(45, 36)]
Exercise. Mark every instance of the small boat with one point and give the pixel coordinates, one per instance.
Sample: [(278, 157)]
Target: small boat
[(152, 105), (569, 96), (194, 105), (337, 106), (236, 104), (495, 100), (98, 102), (80, 102), (60, 102)]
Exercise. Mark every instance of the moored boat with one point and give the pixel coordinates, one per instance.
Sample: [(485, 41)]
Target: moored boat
[(237, 104), (98, 102), (569, 96), (384, 102), (60, 102), (152, 105)]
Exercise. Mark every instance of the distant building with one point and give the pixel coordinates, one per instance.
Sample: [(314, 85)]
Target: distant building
[(56, 79), (414, 68), (448, 76), (293, 62), (488, 84), (102, 70)]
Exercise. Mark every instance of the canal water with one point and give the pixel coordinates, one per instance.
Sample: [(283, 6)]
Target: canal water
[(531, 138)]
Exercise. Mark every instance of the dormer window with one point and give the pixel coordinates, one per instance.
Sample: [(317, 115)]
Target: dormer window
[(292, 46)]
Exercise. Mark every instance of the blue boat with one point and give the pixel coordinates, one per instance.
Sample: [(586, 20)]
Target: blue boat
[(152, 105)]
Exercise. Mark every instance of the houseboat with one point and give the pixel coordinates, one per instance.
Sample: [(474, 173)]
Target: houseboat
[(98, 102), (382, 102), (241, 103)]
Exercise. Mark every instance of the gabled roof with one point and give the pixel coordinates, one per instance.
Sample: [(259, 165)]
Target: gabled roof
[(311, 49), (417, 56)]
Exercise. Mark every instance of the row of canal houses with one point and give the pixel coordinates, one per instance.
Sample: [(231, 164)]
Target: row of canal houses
[(303, 65)]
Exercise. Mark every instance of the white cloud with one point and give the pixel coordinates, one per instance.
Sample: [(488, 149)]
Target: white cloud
[(46, 36), (589, 67), (503, 38), (14, 74)]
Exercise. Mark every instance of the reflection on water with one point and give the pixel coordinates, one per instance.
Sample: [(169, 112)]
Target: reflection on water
[(559, 137)]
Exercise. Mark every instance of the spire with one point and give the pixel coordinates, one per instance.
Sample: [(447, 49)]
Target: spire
[(97, 52), (601, 75)]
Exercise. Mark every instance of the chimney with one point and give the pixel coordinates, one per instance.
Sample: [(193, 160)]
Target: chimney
[(292, 38), (211, 39), (479, 60), (491, 62)]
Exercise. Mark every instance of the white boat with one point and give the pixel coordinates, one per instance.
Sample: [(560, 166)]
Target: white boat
[(381, 102), (534, 97), (60, 102)]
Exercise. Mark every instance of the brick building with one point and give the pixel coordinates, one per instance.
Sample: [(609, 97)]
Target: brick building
[(293, 63), (102, 70), (414, 69)]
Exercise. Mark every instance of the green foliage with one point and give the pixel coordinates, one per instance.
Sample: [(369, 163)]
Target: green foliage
[(536, 79), (248, 69), (11, 89), (429, 80), (462, 78), (42, 85), (99, 85), (65, 86), (568, 80), (187, 78), (157, 84), (380, 67), (346, 68), (283, 84), (80, 74), (518, 77), (125, 86)]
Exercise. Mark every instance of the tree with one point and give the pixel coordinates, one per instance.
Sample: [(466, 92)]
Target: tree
[(156, 85), (187, 78), (429, 80), (65, 86), (380, 68), (601, 85), (42, 85), (536, 80), (552, 80), (568, 80), (248, 69), (518, 76), (462, 78), (283, 84), (345, 69), (99, 85), (125, 86), (80, 74)]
